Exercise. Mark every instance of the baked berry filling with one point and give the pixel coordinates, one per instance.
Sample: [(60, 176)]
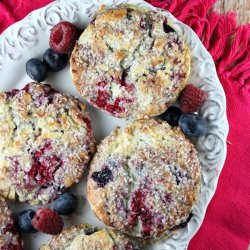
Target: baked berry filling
[(146, 24), (44, 164), (166, 27), (47, 96), (129, 15), (103, 98), (129, 246), (140, 209), (103, 177), (11, 93), (10, 246), (178, 177), (90, 231), (11, 228)]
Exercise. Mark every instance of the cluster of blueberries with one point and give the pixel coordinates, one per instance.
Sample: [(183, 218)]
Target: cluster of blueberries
[(52, 61)]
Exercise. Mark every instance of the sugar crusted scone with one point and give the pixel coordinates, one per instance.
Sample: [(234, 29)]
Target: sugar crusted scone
[(144, 180), (9, 234), (88, 237), (46, 143), (131, 63)]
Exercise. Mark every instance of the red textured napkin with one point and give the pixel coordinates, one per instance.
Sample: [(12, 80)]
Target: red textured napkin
[(227, 221)]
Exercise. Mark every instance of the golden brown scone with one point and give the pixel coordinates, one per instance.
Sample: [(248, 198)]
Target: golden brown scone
[(144, 180), (88, 237), (130, 62), (46, 143), (9, 234)]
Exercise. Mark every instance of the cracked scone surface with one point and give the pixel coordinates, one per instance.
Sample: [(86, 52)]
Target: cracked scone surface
[(46, 143), (130, 63), (144, 180), (88, 237), (9, 235)]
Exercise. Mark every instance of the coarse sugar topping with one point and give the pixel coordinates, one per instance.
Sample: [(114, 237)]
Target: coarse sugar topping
[(130, 63), (154, 179), (47, 143)]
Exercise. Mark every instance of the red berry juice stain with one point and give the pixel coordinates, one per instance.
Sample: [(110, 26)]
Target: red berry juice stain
[(44, 165)]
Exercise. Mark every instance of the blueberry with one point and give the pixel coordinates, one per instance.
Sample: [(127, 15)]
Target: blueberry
[(167, 28), (89, 231), (36, 69), (193, 125), (65, 204), (102, 177), (55, 61), (171, 115), (24, 221)]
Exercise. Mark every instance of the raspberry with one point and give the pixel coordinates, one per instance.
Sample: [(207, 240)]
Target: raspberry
[(140, 209), (63, 37), (44, 165), (102, 100), (47, 221), (192, 99)]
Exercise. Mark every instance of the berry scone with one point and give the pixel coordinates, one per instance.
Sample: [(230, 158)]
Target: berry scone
[(9, 235), (46, 143), (144, 180), (131, 63), (88, 237)]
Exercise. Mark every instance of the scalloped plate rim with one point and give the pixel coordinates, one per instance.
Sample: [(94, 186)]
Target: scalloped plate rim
[(16, 25)]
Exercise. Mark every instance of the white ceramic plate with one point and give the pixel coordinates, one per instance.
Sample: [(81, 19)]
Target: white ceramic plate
[(30, 38)]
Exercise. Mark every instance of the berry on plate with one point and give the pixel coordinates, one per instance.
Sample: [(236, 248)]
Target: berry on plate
[(193, 125), (171, 115), (24, 221), (36, 69), (63, 37), (47, 221), (65, 204), (55, 61), (192, 98)]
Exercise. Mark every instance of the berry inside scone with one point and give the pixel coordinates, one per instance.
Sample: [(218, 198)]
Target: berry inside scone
[(85, 236), (46, 143), (130, 63), (144, 180), (9, 235)]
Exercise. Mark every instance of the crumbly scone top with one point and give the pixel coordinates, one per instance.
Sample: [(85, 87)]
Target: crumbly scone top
[(85, 236), (145, 179), (46, 143), (130, 63), (9, 235)]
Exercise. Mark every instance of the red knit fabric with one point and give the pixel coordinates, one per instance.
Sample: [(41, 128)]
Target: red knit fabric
[(227, 221)]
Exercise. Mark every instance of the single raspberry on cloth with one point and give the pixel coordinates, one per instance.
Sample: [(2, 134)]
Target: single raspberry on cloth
[(47, 221), (191, 99)]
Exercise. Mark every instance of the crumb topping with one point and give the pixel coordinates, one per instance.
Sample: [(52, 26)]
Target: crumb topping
[(46, 143), (9, 235), (130, 63), (86, 236), (153, 179)]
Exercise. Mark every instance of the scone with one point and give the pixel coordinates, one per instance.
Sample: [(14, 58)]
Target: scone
[(46, 143), (130, 62), (88, 237), (9, 235), (144, 180)]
